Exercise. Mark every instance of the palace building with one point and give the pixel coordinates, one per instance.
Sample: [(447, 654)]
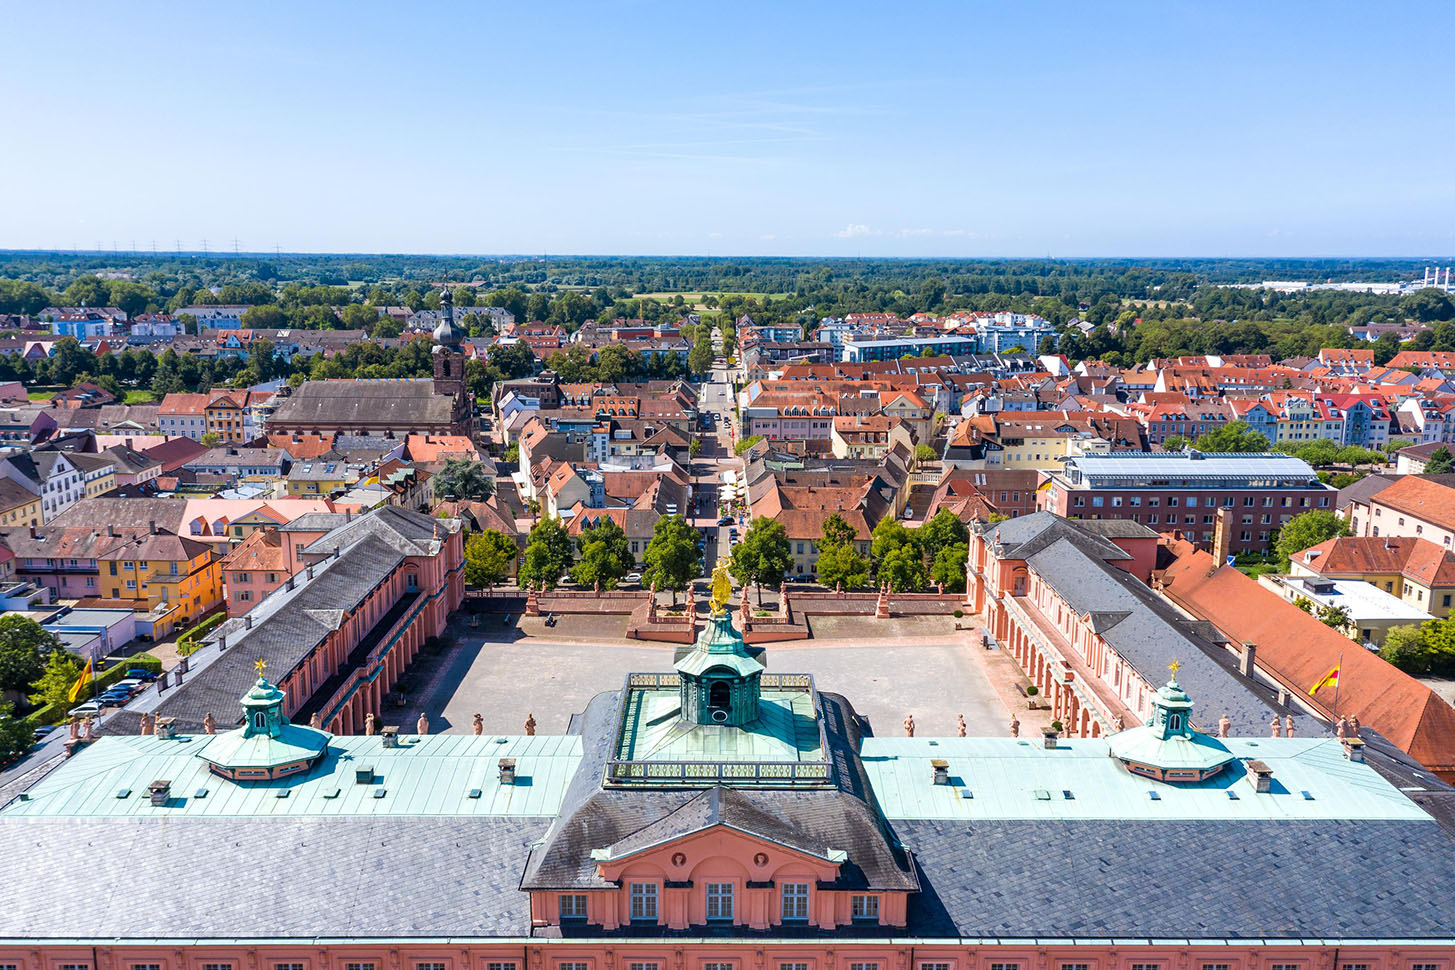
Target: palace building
[(722, 816)]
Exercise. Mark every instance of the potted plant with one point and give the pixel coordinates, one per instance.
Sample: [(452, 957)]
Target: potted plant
[(1031, 691)]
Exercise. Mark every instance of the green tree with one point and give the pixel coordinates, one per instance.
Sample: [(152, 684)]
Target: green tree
[(1425, 305), (672, 558), (949, 566), (547, 554), (1405, 647), (1396, 444), (1439, 462), (842, 565), (605, 555), (890, 535), (903, 569), (694, 447), (1385, 348), (1174, 442), (1308, 529), (54, 685), (837, 532), (489, 556), (699, 358), (24, 649), (463, 479), (1233, 436), (944, 529), (15, 735), (210, 440), (763, 557), (1336, 617), (924, 453)]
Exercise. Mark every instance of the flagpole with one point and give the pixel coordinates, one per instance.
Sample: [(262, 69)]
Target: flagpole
[(1337, 679)]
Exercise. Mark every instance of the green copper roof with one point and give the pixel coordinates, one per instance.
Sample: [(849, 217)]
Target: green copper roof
[(425, 776), (1009, 778), (1167, 741), (786, 730), (267, 739), (719, 645)]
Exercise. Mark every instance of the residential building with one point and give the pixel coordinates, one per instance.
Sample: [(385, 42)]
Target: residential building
[(19, 506), (183, 415), (1367, 612), (1182, 492), (55, 476), (172, 576), (1417, 571), (256, 567)]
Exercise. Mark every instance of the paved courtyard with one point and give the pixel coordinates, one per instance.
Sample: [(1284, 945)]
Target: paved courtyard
[(511, 675)]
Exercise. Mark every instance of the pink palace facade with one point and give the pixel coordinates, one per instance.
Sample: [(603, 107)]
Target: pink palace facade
[(721, 815)]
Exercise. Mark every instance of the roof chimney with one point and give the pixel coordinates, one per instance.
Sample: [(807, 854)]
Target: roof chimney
[(390, 734), (167, 726), (507, 771), (1262, 776), (1354, 749), (940, 769), (152, 526), (1247, 662), (161, 791)]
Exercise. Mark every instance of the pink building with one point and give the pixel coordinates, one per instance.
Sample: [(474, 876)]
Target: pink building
[(721, 817)]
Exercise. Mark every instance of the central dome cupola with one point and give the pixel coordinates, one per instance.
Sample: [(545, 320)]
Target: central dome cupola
[(720, 680), (268, 745), (1167, 748)]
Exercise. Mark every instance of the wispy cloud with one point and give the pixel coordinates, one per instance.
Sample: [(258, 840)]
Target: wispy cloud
[(856, 230)]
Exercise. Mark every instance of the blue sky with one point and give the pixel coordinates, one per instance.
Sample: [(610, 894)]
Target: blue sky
[(958, 129)]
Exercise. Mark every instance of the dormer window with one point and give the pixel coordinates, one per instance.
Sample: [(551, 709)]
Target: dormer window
[(720, 902), (573, 906), (865, 908), (795, 902), (644, 901)]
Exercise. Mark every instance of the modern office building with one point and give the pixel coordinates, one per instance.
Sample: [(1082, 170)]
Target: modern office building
[(1183, 491)]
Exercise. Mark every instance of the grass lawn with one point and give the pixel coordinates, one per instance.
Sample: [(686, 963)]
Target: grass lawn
[(41, 395), (1255, 569), (139, 397)]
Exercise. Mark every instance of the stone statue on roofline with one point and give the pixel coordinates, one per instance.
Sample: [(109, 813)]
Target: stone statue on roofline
[(479, 725), (960, 725), (209, 724), (422, 725), (909, 726), (1224, 725), (530, 725)]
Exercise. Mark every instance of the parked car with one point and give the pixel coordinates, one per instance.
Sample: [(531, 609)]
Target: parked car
[(44, 731), (130, 683), (140, 673), (81, 710), (632, 578), (726, 520)]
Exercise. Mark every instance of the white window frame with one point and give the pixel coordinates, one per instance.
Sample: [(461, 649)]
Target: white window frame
[(644, 898), (718, 894), (795, 893), (863, 908)]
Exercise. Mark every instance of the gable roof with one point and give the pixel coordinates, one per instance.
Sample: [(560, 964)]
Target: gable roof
[(1299, 651)]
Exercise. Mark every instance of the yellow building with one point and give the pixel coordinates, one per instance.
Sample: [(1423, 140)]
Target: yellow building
[(164, 570), (99, 472), (322, 476), (19, 507), (1419, 572)]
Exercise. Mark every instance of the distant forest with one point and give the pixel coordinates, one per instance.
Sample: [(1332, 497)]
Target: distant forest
[(1139, 308)]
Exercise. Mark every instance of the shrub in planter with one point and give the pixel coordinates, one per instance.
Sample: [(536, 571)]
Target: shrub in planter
[(1031, 691), (1056, 726), (959, 613)]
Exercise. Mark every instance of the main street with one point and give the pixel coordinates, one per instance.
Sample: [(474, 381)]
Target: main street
[(715, 399)]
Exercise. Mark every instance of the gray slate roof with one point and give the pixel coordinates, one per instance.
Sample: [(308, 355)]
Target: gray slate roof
[(364, 877), (1182, 879), (409, 403)]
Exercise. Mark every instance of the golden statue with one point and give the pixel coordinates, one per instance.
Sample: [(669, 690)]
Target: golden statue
[(261, 665), (721, 590), (1174, 667)]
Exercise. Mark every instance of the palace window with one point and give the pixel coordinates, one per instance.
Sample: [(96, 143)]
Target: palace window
[(429, 966), (1356, 966), (1224, 966), (573, 906), (792, 966), (500, 966), (717, 966), (571, 966), (75, 966), (1287, 966), (934, 966), (641, 966), (216, 966), (644, 901), (719, 900), (865, 907), (1422, 966), (349, 966), (795, 901), (1146, 966), (146, 966), (863, 966), (1075, 966)]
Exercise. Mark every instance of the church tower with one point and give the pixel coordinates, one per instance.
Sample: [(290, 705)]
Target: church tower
[(449, 360)]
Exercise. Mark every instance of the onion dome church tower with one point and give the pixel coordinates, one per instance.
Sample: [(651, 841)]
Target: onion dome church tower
[(720, 680), (449, 360)]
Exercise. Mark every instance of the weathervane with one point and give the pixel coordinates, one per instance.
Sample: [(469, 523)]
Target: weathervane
[(259, 665), (1174, 667)]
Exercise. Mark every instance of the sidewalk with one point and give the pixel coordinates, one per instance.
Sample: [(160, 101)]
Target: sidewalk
[(1009, 682)]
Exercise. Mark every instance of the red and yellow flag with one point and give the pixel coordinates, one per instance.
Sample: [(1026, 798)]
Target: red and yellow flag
[(1331, 679), (81, 681)]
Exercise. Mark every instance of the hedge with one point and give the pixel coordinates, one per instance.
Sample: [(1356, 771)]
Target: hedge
[(189, 642), (56, 713)]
